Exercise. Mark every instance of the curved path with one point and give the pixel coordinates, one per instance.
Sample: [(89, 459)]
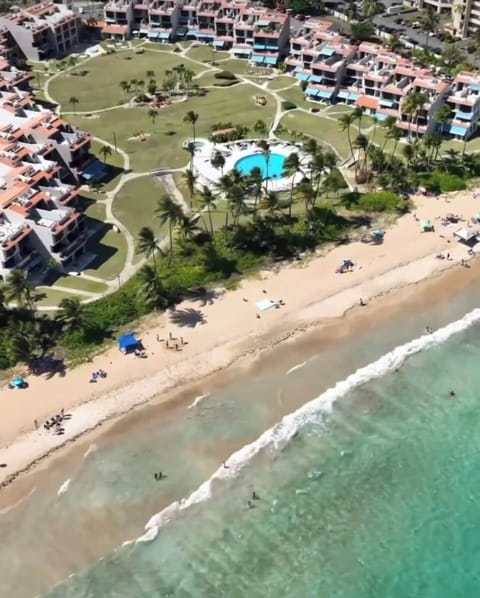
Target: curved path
[(130, 267)]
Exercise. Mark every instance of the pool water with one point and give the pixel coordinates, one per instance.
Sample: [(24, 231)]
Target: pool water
[(272, 170)]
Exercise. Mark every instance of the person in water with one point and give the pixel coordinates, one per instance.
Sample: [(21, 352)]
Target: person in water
[(255, 496), (452, 393), (159, 475)]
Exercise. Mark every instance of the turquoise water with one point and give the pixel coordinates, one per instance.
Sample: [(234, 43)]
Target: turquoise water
[(378, 497), (272, 170), (401, 498)]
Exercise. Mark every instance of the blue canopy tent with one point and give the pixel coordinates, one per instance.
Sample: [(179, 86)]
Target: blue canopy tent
[(128, 342)]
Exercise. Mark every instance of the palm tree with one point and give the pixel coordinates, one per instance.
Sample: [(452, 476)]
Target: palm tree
[(153, 116), (74, 101), (105, 150), (361, 143), (188, 226), (307, 193), (207, 202), (190, 180), (271, 202), (125, 86), (310, 146), (429, 21), (72, 62), (264, 146), (191, 118), (150, 74), (152, 290), (255, 184), (147, 243), (346, 121), (18, 289), (443, 116), (291, 167), (371, 7), (260, 127), (357, 114), (169, 211), (71, 315), (218, 161)]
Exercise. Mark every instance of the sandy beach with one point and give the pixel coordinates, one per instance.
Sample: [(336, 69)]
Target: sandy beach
[(228, 327)]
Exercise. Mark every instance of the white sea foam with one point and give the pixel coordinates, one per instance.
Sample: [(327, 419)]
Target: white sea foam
[(91, 449), (148, 536), (198, 399), (64, 487), (296, 367), (280, 434)]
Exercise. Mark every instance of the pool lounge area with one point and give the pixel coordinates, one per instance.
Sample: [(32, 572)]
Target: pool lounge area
[(244, 155)]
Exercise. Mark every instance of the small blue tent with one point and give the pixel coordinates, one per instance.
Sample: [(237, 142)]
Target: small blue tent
[(128, 342)]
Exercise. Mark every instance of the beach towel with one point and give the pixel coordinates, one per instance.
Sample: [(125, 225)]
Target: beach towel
[(266, 304)]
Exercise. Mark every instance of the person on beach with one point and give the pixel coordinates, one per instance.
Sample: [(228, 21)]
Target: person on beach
[(429, 330), (362, 303), (225, 466)]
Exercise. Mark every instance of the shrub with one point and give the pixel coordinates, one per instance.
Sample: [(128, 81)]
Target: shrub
[(225, 75), (443, 182), (287, 105), (380, 201), (225, 83)]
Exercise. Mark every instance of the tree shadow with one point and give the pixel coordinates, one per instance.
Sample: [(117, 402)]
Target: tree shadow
[(187, 317), (48, 366), (203, 296)]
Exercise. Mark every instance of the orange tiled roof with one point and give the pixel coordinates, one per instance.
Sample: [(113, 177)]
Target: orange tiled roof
[(367, 102), (114, 29)]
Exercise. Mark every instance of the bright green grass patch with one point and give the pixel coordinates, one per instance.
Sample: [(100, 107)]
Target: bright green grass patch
[(281, 81), (243, 67), (162, 146), (91, 89), (80, 284)]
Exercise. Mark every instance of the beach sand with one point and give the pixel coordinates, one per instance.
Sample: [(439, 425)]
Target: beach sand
[(227, 328)]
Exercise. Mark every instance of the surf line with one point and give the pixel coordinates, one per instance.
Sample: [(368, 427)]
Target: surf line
[(282, 432)]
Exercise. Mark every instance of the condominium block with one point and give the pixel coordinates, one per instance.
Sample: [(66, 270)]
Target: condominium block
[(464, 101), (43, 30), (42, 159), (465, 17)]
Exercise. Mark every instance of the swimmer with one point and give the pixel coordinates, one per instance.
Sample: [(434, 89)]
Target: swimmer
[(250, 504), (255, 496), (452, 393)]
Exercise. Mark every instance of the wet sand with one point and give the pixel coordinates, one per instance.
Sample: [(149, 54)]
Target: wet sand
[(229, 329)]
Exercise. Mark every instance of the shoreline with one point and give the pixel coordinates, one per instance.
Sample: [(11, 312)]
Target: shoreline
[(384, 275)]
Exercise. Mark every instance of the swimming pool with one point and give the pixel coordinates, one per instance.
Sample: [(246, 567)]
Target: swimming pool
[(275, 165)]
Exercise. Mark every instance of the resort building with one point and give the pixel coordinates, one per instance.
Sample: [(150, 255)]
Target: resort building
[(464, 102), (436, 5), (42, 159), (44, 30), (465, 16), (248, 30)]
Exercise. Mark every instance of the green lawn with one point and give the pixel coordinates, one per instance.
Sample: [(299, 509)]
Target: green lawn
[(135, 203), (203, 53), (243, 67), (91, 89), (281, 81), (323, 129), (163, 146), (208, 79), (113, 159), (53, 297), (111, 249), (296, 95), (80, 284)]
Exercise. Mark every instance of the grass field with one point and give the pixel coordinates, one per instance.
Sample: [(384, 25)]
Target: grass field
[(80, 284), (203, 53), (135, 203), (163, 146), (111, 249), (92, 92), (321, 128), (281, 81), (53, 297)]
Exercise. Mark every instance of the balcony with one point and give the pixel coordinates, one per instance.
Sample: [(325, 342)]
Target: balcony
[(75, 245)]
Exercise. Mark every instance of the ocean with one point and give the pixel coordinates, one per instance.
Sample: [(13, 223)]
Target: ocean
[(368, 486)]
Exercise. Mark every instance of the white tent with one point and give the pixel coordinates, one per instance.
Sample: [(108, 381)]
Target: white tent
[(466, 234)]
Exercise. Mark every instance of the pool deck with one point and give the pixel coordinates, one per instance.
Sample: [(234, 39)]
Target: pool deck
[(233, 152)]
